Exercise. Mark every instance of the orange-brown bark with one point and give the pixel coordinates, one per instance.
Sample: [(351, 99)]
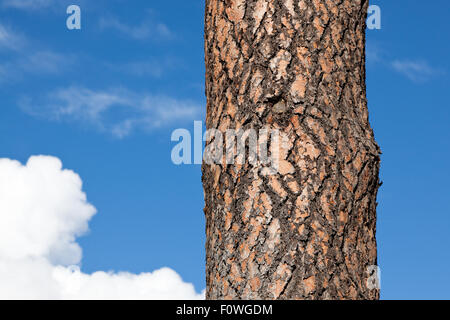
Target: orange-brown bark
[(307, 232)]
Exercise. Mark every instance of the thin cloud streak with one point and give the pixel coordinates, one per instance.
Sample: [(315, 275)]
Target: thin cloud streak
[(27, 4), (144, 31), (116, 111), (10, 40), (24, 59), (416, 71), (37, 63), (155, 68)]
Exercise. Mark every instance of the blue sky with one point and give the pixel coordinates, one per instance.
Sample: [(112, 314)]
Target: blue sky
[(60, 90)]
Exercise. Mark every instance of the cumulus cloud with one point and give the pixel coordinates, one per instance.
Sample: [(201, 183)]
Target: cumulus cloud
[(117, 111), (417, 71), (42, 212)]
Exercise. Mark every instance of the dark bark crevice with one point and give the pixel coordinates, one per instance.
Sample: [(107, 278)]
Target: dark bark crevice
[(307, 233)]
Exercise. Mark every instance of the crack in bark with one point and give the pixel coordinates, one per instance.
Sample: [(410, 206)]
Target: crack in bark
[(308, 234)]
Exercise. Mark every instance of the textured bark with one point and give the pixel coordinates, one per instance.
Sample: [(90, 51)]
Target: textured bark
[(307, 232)]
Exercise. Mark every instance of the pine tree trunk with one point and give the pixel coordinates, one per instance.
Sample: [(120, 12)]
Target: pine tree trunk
[(307, 232)]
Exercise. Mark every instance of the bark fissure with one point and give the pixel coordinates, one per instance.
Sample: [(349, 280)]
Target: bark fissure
[(307, 232)]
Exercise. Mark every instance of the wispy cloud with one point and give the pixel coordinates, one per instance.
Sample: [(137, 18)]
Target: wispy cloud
[(46, 62), (116, 111), (24, 58), (152, 67), (27, 4), (37, 63), (43, 6), (9, 39), (144, 68), (417, 71), (373, 52), (145, 30)]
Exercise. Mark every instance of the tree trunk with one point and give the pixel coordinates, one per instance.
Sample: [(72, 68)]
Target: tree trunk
[(308, 231)]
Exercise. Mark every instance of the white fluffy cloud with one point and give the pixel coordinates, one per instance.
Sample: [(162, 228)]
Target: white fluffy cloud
[(42, 211)]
